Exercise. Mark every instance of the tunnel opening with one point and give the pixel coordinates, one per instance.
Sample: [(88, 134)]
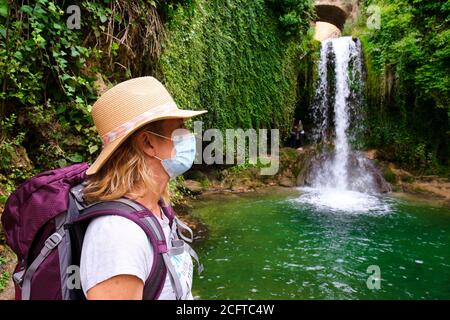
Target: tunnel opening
[(331, 14)]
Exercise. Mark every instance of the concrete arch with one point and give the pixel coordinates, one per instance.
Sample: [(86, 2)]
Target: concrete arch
[(331, 13)]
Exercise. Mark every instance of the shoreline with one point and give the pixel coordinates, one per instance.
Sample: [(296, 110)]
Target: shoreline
[(401, 191)]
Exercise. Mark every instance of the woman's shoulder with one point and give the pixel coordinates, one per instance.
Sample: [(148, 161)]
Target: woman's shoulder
[(114, 245), (114, 238), (115, 228), (108, 222)]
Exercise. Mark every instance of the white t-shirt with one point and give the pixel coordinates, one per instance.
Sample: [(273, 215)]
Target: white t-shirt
[(115, 245)]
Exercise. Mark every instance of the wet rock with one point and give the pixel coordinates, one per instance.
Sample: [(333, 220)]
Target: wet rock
[(193, 186), (301, 180), (237, 188), (287, 182), (381, 184), (363, 173), (371, 154)]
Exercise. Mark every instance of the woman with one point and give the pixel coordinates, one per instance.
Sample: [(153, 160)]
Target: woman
[(143, 148)]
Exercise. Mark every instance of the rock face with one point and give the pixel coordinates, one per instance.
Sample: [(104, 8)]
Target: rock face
[(359, 165), (325, 30), (296, 169), (287, 182), (435, 186), (336, 12), (193, 186)]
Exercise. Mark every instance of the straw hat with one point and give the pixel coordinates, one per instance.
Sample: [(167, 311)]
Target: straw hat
[(128, 106)]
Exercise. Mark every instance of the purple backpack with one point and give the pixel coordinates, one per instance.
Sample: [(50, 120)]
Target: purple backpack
[(45, 220)]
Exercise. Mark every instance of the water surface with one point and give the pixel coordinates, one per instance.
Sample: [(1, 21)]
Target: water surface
[(287, 245)]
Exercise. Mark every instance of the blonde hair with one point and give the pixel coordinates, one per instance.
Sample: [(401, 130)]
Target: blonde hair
[(126, 173)]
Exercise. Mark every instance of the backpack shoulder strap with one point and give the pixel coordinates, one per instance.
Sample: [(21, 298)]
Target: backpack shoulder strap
[(137, 213), (168, 211), (153, 285)]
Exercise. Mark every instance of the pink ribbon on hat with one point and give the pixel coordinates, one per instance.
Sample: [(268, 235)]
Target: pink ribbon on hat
[(128, 126)]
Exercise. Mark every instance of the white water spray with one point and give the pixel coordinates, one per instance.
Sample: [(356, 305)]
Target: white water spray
[(340, 179)]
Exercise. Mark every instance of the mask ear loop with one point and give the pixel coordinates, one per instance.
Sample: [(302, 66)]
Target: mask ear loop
[(159, 135), (172, 139), (164, 137)]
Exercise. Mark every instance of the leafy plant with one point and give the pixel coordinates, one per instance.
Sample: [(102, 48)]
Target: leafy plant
[(389, 176), (231, 58), (408, 81), (4, 278)]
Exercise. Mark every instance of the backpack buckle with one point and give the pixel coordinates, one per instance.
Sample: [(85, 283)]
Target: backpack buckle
[(18, 277), (53, 241), (77, 193)]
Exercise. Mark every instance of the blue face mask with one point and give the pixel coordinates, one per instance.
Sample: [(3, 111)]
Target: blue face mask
[(184, 154)]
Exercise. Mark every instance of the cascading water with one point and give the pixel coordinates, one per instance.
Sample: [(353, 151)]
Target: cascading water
[(341, 178)]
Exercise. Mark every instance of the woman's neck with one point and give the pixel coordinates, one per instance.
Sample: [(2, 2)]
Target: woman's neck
[(151, 199)]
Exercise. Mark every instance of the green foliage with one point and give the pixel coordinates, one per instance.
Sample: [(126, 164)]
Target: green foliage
[(177, 191), (45, 98), (205, 183), (48, 74), (402, 146), (4, 278), (290, 153), (229, 58), (293, 16), (7, 146), (389, 176), (247, 165), (408, 85), (238, 59), (415, 37)]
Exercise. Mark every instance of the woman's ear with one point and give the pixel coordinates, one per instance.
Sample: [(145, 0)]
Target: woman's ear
[(146, 143)]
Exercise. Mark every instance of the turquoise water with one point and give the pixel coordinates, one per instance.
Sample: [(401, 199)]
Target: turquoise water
[(281, 245)]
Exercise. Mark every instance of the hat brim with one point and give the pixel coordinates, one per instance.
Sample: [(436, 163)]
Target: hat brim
[(109, 149)]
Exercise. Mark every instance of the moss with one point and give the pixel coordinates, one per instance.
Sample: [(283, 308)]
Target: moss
[(291, 153), (231, 58), (296, 171), (205, 183), (408, 179), (4, 278), (419, 190), (389, 176)]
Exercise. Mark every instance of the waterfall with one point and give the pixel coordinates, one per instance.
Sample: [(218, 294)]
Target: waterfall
[(338, 118)]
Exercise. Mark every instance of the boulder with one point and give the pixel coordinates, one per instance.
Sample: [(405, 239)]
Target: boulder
[(301, 179), (371, 154), (286, 182), (193, 186)]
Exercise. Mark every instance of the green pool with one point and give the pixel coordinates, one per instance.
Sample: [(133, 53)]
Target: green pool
[(294, 245)]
